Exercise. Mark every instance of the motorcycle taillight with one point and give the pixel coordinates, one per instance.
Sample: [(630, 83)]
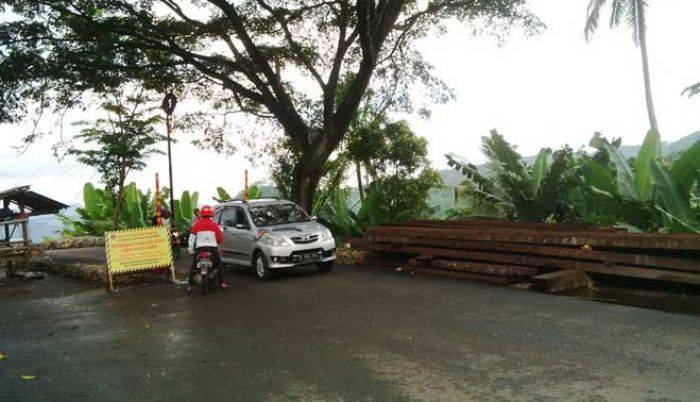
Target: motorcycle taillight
[(204, 254)]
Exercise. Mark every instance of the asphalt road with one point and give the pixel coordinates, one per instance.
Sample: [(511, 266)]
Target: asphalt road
[(351, 335)]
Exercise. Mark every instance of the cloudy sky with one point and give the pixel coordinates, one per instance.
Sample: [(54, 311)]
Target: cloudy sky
[(547, 90)]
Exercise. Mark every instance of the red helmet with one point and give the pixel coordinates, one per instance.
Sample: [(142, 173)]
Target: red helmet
[(207, 211)]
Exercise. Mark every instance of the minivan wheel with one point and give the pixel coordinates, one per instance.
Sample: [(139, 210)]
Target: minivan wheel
[(262, 271), (325, 266)]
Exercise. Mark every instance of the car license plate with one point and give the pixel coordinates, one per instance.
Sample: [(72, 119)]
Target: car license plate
[(308, 257)]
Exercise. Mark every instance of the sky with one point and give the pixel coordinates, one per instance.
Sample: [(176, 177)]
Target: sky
[(543, 91)]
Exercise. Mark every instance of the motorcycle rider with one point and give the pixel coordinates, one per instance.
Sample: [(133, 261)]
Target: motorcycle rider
[(205, 236)]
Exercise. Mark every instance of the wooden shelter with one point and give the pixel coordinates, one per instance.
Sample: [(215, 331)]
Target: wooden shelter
[(17, 204)]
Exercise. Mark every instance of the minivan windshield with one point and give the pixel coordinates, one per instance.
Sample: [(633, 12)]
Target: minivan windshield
[(277, 214)]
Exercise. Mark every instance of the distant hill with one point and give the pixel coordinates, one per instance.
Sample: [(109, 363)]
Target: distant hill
[(681, 144), (667, 148), (444, 199), (48, 225)]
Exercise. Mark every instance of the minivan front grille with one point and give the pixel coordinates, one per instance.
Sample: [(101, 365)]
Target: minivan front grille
[(304, 239)]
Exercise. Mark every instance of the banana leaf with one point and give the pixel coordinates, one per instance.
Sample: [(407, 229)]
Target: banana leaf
[(596, 175), (194, 201), (674, 202), (540, 168), (510, 170), (650, 150), (484, 187), (132, 215), (254, 192), (93, 201), (374, 210), (177, 215), (185, 210), (686, 169), (626, 184), (222, 195)]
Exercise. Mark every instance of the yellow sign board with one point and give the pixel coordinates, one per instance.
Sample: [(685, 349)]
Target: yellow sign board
[(135, 250)]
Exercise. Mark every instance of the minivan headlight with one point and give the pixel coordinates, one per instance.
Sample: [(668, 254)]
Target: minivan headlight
[(273, 239)]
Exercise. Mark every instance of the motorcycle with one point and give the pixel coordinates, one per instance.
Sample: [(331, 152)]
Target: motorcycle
[(206, 275)]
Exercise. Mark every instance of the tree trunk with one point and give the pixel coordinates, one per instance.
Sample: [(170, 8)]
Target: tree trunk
[(645, 66), (359, 181), (119, 201), (118, 207), (306, 176), (310, 168)]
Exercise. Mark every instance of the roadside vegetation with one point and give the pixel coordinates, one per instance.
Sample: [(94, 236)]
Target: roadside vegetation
[(648, 192), (97, 214)]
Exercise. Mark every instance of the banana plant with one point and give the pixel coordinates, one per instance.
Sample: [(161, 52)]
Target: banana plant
[(184, 210), (254, 192), (674, 189), (649, 195), (334, 211), (96, 215), (636, 183), (523, 192)]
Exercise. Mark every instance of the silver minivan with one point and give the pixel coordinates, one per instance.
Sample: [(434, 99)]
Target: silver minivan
[(267, 234)]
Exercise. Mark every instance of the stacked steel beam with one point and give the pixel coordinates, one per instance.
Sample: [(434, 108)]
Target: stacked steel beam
[(503, 251)]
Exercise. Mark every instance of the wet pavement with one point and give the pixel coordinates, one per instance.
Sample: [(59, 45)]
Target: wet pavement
[(353, 334)]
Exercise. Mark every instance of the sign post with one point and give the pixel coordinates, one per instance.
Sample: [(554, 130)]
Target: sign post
[(138, 250)]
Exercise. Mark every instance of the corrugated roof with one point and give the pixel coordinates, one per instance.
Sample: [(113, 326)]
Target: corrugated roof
[(37, 204)]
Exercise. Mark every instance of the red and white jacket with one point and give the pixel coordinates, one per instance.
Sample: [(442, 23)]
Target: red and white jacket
[(204, 233)]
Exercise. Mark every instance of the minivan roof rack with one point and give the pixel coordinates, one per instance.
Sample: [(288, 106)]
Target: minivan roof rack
[(265, 198), (252, 199)]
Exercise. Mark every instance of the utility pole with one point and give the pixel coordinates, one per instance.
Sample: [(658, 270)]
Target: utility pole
[(169, 103)]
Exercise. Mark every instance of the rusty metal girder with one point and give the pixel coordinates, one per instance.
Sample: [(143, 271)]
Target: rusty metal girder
[(606, 257), (482, 268), (544, 262), (490, 279), (680, 242), (500, 223)]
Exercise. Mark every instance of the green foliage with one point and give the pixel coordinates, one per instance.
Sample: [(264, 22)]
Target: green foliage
[(122, 141), (254, 192), (222, 195), (620, 193), (649, 195), (334, 211), (396, 159), (514, 189), (685, 169), (621, 10), (650, 151), (673, 201), (97, 215)]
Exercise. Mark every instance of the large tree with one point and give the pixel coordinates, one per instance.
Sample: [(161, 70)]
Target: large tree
[(275, 59), (633, 12)]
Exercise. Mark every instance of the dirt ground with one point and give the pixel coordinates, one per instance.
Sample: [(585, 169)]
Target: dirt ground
[(350, 335)]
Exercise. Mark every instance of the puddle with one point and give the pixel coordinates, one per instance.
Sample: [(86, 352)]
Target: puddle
[(669, 297)]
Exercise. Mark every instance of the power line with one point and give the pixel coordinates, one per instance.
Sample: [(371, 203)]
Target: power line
[(75, 198)]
